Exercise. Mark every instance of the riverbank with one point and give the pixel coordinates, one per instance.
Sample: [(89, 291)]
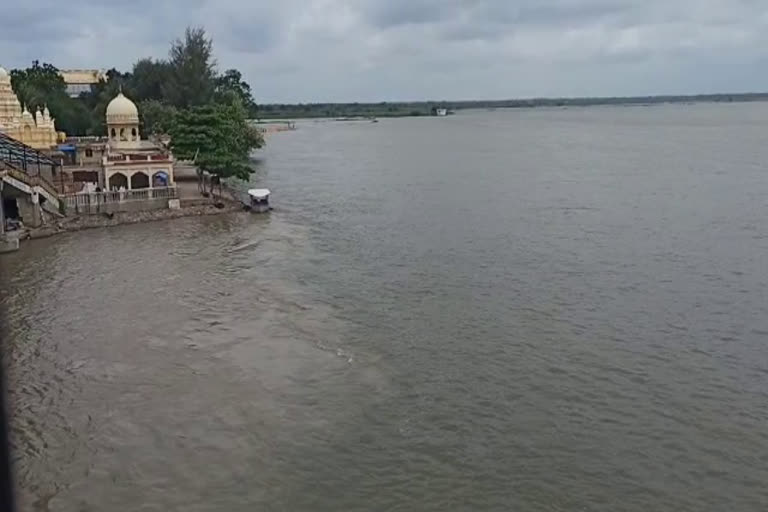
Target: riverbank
[(193, 204), (81, 222)]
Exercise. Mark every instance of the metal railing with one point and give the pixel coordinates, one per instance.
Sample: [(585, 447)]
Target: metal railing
[(84, 200), (27, 164), (133, 157), (32, 181)]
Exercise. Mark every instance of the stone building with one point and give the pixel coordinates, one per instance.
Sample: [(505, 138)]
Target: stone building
[(37, 131), (132, 163), (121, 160), (81, 80), (119, 172)]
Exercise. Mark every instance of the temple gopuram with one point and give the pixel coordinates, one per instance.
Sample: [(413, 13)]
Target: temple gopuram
[(37, 131)]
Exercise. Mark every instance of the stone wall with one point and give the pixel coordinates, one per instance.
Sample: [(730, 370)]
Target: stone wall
[(101, 221)]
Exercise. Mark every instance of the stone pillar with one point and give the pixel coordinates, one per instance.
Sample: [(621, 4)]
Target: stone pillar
[(8, 243), (37, 210), (29, 210), (2, 209)]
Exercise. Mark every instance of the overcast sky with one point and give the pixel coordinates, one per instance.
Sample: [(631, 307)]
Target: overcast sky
[(376, 50)]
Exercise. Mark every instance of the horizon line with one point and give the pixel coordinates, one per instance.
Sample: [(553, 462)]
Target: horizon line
[(530, 98)]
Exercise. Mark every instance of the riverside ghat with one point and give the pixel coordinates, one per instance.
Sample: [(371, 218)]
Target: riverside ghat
[(119, 178)]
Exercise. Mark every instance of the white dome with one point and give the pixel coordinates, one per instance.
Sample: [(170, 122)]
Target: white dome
[(121, 110)]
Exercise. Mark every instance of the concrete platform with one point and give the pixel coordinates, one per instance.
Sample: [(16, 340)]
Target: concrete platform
[(8, 243)]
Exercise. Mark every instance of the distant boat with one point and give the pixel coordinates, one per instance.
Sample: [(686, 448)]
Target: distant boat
[(441, 112), (259, 199)]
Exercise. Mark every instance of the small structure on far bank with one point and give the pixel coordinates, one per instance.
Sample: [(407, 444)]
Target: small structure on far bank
[(82, 80)]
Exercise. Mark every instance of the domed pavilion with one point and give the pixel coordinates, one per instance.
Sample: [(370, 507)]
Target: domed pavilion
[(131, 163)]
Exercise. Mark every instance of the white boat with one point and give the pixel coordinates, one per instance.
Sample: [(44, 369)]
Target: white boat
[(441, 112), (259, 199)]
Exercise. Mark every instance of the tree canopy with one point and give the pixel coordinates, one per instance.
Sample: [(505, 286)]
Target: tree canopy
[(40, 86), (230, 84), (217, 137), (187, 78), (157, 118), (149, 79), (191, 80), (205, 113)]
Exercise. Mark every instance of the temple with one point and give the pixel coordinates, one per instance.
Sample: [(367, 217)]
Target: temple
[(132, 163), (37, 131), (119, 171)]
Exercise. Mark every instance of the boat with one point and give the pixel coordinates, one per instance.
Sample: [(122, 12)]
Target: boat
[(259, 200), (441, 112)]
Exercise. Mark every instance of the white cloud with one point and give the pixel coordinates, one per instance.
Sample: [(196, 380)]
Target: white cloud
[(339, 50)]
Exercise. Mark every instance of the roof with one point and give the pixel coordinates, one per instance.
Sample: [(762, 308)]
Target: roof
[(122, 110), (259, 193), (82, 76)]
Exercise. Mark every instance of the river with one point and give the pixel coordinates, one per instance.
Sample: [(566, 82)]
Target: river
[(540, 310)]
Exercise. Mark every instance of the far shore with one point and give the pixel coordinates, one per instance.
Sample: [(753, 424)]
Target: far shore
[(282, 112)]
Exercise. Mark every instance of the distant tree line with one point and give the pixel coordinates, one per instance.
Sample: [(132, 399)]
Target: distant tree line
[(341, 110), (401, 109), (205, 112)]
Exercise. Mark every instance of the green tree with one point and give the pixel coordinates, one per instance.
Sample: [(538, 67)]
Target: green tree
[(218, 138), (173, 96), (191, 76), (71, 116), (148, 79), (40, 86), (231, 84), (157, 118)]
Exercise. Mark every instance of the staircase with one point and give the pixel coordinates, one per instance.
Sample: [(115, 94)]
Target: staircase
[(24, 174), (28, 184)]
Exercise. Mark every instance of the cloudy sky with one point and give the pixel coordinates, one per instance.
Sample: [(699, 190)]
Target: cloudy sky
[(376, 50)]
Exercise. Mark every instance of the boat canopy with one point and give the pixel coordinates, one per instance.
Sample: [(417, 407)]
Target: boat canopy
[(259, 193)]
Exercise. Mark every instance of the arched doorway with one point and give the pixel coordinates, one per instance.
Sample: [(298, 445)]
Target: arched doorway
[(160, 179), (139, 180), (118, 180)]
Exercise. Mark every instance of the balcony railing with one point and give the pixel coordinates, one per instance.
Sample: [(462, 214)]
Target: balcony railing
[(137, 158), (84, 200)]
